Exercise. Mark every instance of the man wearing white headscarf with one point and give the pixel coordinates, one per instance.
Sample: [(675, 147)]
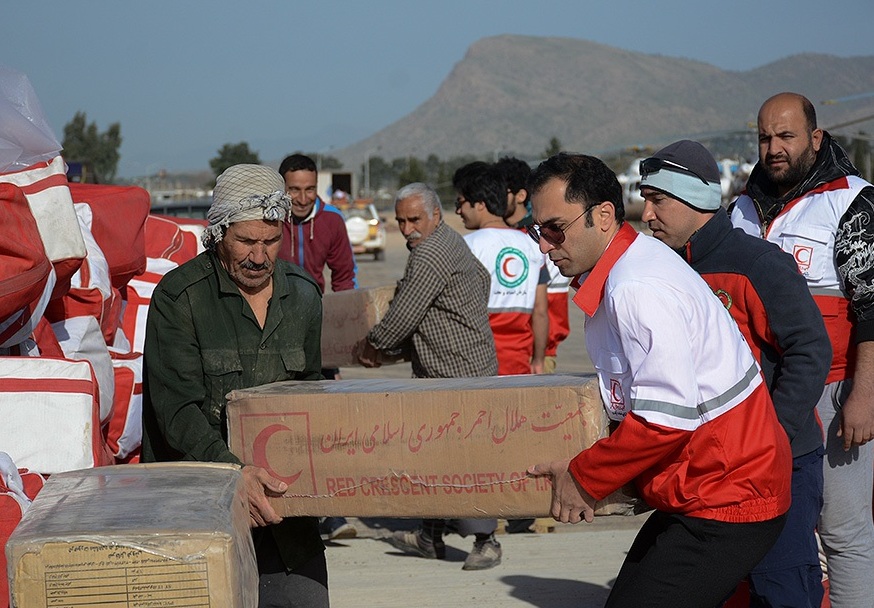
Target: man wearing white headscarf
[(234, 317)]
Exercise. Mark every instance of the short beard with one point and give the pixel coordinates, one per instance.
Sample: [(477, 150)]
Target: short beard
[(795, 172)]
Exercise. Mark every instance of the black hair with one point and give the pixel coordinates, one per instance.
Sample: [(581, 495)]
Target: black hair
[(297, 162), (480, 182), (515, 172), (589, 181)]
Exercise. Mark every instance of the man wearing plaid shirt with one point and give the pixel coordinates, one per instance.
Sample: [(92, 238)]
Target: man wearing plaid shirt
[(440, 315), (439, 311)]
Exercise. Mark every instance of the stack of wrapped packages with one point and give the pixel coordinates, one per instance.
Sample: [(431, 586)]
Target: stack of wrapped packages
[(78, 263)]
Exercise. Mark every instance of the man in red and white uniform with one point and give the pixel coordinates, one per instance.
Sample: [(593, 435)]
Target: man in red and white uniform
[(559, 319), (805, 196), (518, 311), (697, 432), (518, 215)]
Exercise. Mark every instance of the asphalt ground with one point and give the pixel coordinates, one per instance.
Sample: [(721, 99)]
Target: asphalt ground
[(574, 565)]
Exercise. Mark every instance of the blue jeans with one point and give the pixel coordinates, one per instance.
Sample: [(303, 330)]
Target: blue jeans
[(790, 575), (845, 525)]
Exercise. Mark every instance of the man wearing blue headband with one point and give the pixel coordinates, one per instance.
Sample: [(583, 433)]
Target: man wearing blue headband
[(763, 291)]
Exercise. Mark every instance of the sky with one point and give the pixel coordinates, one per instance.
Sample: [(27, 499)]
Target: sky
[(185, 77)]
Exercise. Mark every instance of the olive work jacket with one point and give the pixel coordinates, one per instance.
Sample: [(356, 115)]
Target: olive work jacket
[(202, 342)]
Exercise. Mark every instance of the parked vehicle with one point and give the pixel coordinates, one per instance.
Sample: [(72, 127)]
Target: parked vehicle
[(366, 229)]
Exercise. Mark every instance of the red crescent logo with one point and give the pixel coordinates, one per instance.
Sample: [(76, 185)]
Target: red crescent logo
[(507, 260), (259, 452)]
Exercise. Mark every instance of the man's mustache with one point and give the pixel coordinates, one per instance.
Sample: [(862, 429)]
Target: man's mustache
[(253, 266)]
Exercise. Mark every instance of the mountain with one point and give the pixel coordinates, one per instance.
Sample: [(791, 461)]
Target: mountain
[(511, 94)]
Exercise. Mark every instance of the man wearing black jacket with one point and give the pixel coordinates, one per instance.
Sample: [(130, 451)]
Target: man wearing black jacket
[(761, 288), (806, 196)]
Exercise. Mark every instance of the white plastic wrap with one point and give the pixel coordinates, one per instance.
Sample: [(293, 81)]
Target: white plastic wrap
[(161, 532), (25, 135)]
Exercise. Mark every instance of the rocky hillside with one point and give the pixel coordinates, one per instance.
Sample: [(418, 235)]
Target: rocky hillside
[(511, 94)]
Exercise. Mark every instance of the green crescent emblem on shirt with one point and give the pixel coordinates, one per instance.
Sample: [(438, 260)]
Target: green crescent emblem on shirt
[(511, 267)]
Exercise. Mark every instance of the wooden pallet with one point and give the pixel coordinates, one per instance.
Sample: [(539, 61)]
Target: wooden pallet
[(541, 525)]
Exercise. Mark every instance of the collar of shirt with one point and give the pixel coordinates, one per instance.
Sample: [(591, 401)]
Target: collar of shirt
[(591, 288)]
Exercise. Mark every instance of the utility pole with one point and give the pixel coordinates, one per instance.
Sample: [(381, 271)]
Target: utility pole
[(367, 170)]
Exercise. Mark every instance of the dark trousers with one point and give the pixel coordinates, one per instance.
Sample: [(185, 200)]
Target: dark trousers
[(463, 527), (790, 574), (678, 561), (304, 587)]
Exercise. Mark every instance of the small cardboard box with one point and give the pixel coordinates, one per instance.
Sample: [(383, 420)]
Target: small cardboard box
[(136, 535), (347, 316), (438, 448)]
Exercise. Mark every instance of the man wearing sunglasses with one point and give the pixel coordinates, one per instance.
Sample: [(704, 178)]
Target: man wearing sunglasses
[(761, 288), (518, 309), (696, 433), (518, 215)]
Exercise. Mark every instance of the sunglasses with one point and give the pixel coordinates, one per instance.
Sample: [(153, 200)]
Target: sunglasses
[(654, 165), (459, 203), (551, 233)]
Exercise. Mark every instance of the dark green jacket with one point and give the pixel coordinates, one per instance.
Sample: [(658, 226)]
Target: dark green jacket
[(202, 342)]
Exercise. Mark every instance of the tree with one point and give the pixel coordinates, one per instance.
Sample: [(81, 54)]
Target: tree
[(381, 174), (413, 172), (861, 150), (84, 143), (553, 148), (432, 166), (233, 154)]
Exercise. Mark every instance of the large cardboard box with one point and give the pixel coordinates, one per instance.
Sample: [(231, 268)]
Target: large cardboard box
[(136, 535), (420, 447), (347, 316)]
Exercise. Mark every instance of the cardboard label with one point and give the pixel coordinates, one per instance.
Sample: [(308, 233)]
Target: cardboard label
[(415, 448), (87, 574)]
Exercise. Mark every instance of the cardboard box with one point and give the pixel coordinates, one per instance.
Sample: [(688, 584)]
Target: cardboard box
[(438, 448), (168, 535), (347, 316)]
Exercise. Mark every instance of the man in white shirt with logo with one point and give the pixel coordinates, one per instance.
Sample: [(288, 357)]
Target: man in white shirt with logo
[(518, 304), (806, 196)]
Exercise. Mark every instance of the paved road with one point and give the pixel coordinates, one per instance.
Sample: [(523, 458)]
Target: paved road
[(571, 567)]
